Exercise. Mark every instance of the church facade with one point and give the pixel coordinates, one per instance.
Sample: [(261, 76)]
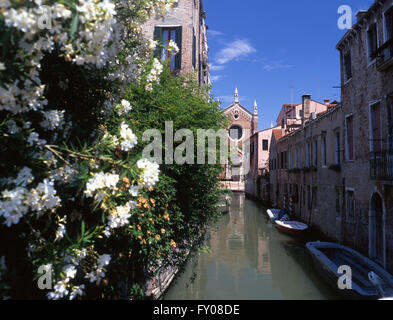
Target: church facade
[(243, 125)]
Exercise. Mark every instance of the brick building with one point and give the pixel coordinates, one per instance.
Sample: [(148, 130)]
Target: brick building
[(243, 124), (337, 172), (185, 24)]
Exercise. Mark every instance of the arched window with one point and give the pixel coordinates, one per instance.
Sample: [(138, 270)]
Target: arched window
[(236, 132)]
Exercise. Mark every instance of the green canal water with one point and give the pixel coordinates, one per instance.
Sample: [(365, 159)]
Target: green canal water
[(250, 260)]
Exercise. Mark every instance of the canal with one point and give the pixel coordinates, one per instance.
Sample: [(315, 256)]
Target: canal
[(250, 260)]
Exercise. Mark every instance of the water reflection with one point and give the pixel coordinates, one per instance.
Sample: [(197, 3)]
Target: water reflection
[(251, 260)]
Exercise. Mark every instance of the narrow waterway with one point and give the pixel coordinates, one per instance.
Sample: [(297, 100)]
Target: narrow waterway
[(250, 260)]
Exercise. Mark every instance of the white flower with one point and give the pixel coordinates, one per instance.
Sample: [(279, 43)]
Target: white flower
[(120, 216), (96, 275), (12, 127), (24, 177), (129, 139), (12, 206), (2, 66), (101, 181), (152, 44), (69, 271), (43, 198), (5, 4), (53, 119), (172, 46), (124, 107), (150, 172), (77, 291), (34, 138), (60, 291), (61, 231), (104, 260), (134, 190)]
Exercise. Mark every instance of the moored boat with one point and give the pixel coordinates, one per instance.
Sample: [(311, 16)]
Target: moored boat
[(294, 228), (225, 204), (275, 214), (369, 280)]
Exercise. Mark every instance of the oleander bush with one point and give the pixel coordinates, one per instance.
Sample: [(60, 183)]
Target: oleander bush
[(78, 201)]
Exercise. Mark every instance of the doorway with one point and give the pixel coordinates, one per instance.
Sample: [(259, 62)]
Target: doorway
[(376, 230)]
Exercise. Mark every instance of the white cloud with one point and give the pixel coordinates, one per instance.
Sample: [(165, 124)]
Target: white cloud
[(216, 78), (214, 33), (215, 67), (276, 65), (234, 50)]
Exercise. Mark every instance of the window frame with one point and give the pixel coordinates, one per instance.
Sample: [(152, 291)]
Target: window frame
[(371, 128), (371, 60), (344, 55), (324, 151), (263, 145), (347, 144), (385, 27)]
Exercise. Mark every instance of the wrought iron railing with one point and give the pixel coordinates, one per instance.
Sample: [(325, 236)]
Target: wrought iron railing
[(381, 165)]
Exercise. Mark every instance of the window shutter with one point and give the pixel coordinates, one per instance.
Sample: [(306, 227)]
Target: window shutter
[(179, 44), (158, 37)]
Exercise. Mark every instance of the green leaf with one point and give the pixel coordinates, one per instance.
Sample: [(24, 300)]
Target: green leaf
[(83, 228), (74, 25)]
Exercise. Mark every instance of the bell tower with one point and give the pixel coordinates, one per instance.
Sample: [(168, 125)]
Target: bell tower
[(255, 118)]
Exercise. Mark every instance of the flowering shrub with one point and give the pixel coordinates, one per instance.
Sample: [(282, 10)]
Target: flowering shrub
[(76, 198), (67, 185)]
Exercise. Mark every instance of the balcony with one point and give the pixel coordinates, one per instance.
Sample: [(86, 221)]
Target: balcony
[(381, 165), (384, 55)]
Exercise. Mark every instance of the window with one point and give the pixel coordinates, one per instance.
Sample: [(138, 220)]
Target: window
[(389, 24), (337, 156), (315, 153), (193, 49), (265, 145), (349, 138), (347, 66), (350, 205), (236, 132), (372, 42), (324, 162), (164, 35), (375, 128)]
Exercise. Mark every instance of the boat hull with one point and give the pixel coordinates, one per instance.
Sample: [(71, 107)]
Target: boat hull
[(291, 231), (328, 268)]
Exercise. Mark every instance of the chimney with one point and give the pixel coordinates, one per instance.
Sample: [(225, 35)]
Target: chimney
[(306, 108), (327, 102)]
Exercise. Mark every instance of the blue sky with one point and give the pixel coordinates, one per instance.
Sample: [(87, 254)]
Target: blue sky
[(266, 47)]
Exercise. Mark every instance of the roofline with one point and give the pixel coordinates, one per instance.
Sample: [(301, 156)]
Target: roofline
[(243, 107), (339, 106), (374, 6)]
